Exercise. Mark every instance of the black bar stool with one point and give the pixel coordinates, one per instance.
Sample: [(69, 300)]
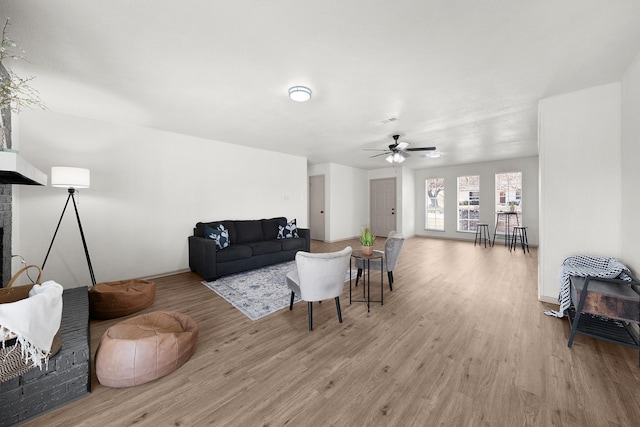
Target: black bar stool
[(519, 233), (482, 233)]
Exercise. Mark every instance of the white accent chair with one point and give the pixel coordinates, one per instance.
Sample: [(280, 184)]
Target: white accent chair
[(392, 248), (319, 276)]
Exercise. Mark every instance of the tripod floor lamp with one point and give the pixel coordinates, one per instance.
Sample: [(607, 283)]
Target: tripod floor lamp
[(72, 179)]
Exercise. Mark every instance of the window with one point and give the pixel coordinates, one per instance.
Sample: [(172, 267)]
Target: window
[(434, 217), (468, 203), (508, 197)]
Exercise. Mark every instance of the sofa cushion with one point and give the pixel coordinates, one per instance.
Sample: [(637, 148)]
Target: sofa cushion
[(219, 234), (261, 248), (249, 231), (292, 244), (233, 253), (270, 227), (287, 230)]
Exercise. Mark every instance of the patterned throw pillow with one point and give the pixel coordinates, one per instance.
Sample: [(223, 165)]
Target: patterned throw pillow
[(287, 230), (219, 234)]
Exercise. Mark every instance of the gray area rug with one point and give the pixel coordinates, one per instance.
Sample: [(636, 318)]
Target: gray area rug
[(258, 293)]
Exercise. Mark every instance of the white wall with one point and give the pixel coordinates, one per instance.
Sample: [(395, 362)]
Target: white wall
[(347, 200), (487, 171), (631, 167), (148, 189), (580, 180), (408, 203)]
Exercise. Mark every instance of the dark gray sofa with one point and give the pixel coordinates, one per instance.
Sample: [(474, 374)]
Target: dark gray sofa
[(254, 244)]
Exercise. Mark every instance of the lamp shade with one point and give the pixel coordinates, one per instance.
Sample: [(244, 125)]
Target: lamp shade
[(62, 176)]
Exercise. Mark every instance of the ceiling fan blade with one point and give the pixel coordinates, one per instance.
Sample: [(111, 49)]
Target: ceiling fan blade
[(381, 154), (402, 145), (374, 149), (421, 149)]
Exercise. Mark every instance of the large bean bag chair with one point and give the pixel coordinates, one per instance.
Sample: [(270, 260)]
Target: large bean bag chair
[(109, 300), (145, 348)]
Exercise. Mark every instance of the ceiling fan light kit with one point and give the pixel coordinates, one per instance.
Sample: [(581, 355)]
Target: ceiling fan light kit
[(300, 93), (398, 151), (396, 157)]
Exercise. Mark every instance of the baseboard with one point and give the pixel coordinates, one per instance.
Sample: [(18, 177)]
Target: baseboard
[(348, 239), (169, 273), (463, 239), (549, 300)]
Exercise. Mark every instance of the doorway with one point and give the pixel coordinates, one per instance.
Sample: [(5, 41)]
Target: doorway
[(383, 206), (316, 207)]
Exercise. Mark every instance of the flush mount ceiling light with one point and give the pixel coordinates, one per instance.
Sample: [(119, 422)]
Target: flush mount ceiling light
[(300, 93)]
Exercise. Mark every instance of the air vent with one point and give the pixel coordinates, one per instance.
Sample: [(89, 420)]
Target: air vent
[(385, 121)]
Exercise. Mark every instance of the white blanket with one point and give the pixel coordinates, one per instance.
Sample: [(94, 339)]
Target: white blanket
[(34, 321)]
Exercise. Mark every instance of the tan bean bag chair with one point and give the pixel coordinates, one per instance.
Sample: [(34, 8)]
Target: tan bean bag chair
[(109, 300), (145, 348)]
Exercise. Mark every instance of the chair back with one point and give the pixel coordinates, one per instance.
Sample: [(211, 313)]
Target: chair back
[(322, 275), (392, 248)]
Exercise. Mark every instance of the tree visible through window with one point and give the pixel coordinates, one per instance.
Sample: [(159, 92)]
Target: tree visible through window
[(468, 202), (509, 197), (434, 217)]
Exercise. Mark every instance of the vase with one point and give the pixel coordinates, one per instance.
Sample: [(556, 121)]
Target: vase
[(367, 250)]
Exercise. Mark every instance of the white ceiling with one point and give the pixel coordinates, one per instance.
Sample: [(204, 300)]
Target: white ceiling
[(465, 76)]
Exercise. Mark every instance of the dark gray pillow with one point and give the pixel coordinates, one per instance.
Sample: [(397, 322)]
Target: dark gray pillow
[(287, 230), (219, 234)]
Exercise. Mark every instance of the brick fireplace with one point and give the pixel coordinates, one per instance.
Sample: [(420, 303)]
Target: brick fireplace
[(5, 208), (5, 233), (65, 379), (68, 374)]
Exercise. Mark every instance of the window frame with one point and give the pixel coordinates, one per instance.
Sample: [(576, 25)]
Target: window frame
[(511, 193), (470, 204), (440, 197)]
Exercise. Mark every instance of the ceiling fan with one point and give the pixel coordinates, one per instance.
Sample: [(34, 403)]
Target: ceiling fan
[(398, 151)]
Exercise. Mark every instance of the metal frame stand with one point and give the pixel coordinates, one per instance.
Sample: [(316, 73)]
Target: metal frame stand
[(84, 242), (366, 285)]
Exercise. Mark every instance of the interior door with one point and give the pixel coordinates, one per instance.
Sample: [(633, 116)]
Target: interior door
[(316, 207), (383, 206)]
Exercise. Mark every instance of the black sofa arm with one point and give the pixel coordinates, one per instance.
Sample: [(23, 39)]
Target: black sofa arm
[(202, 257), (305, 233)]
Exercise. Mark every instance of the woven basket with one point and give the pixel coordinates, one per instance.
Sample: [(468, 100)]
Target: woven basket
[(11, 362)]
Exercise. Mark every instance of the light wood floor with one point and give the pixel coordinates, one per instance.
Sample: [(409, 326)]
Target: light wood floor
[(461, 341)]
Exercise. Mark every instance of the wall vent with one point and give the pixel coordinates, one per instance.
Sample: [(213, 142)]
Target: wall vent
[(385, 121)]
